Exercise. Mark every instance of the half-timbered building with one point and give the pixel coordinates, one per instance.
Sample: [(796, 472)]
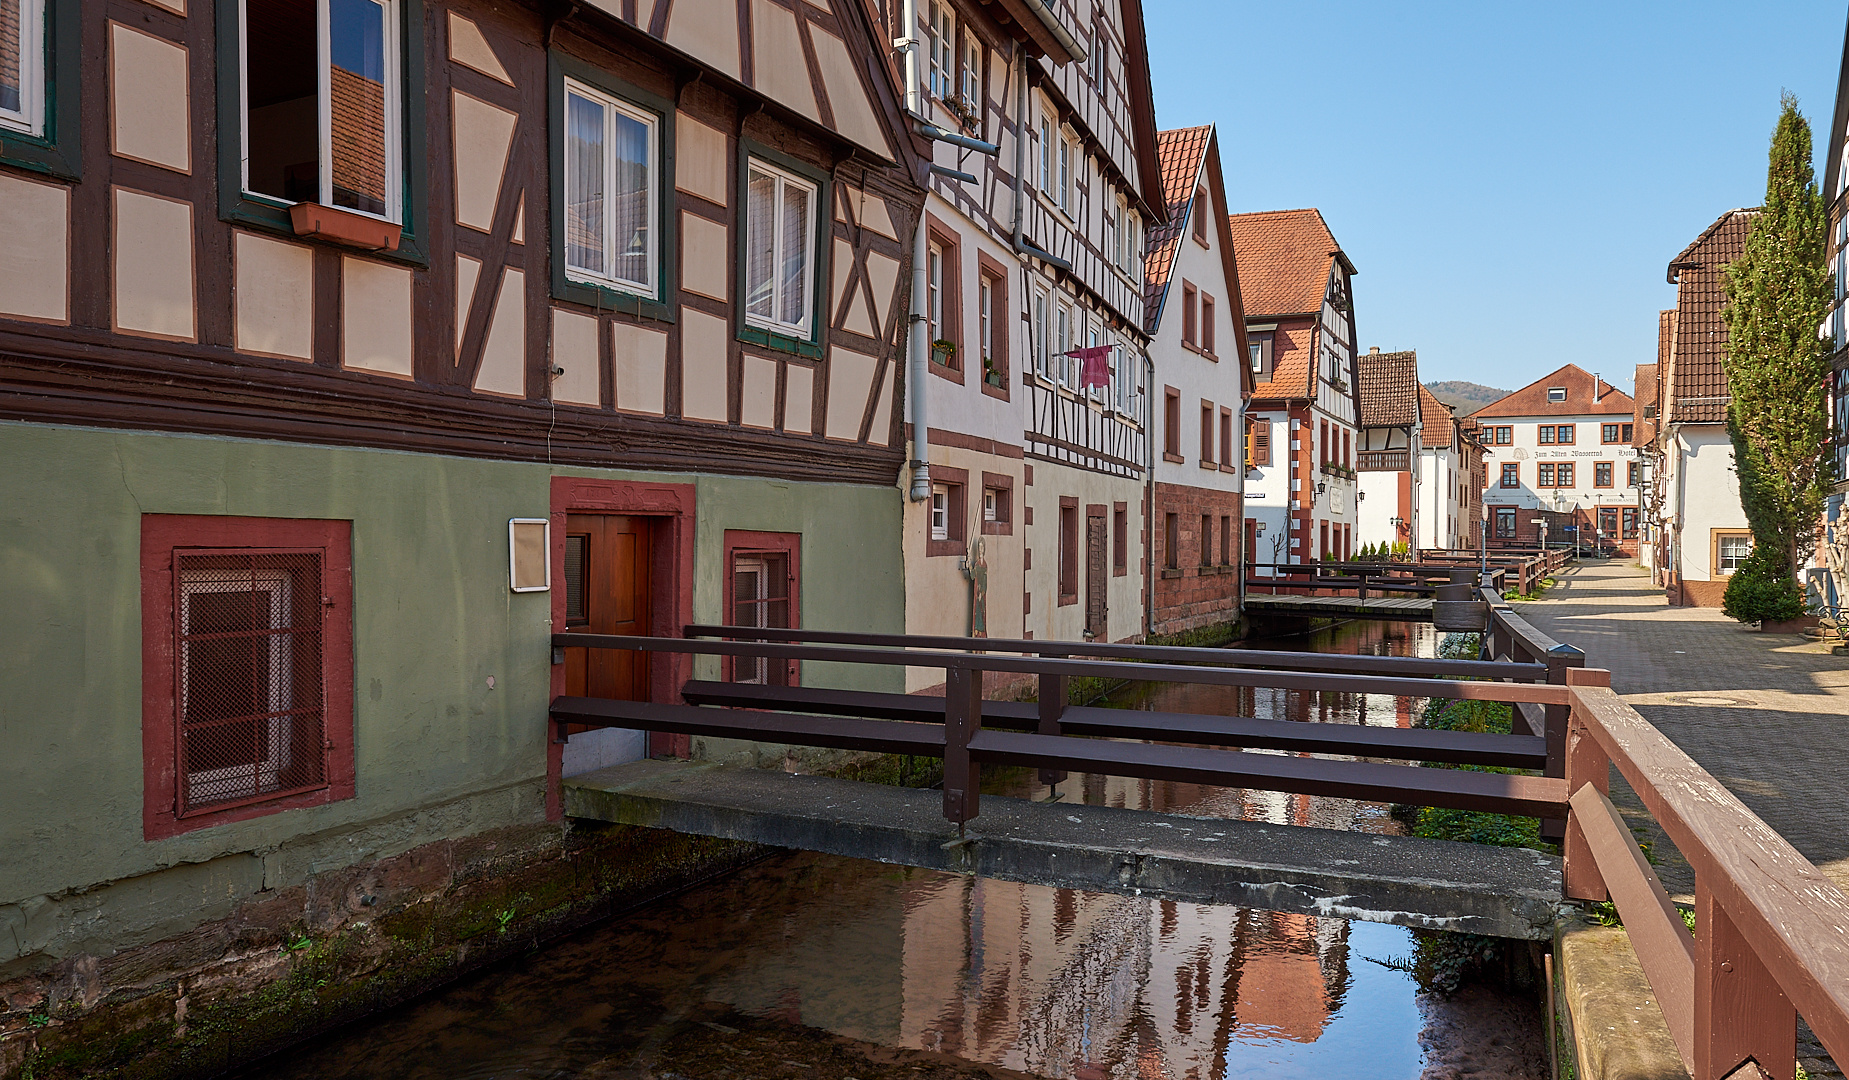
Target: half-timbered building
[(1300, 334), (349, 349), (1387, 502), (1197, 350)]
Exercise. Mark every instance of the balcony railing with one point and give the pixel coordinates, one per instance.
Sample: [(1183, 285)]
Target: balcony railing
[(1382, 461)]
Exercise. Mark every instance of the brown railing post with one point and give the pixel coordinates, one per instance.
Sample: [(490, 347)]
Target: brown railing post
[(1052, 707), (962, 719), (1586, 764), (1740, 1012), (1560, 659)]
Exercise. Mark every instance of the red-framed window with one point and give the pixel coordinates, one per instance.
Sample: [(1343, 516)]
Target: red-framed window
[(763, 589), (247, 668), (1511, 475)]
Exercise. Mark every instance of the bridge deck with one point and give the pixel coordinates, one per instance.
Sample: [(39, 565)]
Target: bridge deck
[(1374, 607), (1507, 892)]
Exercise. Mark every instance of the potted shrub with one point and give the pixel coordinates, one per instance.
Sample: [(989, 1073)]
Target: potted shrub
[(990, 374), (942, 351)]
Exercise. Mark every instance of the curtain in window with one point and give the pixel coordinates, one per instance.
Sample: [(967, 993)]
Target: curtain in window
[(12, 38), (794, 220), (760, 242), (629, 203), (357, 105), (584, 184)]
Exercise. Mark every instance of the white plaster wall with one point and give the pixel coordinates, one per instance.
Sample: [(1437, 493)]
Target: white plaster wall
[(965, 408), (937, 591), (1124, 595), (1708, 491), (1374, 514), (1197, 377), (1584, 453)]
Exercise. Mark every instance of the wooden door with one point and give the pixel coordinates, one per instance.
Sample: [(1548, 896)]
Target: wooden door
[(1097, 609), (607, 560)]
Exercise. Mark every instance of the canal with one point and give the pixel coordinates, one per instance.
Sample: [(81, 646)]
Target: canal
[(808, 964)]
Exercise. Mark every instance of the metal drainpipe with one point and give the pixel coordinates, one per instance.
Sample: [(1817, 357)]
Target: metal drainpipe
[(1149, 495), (917, 357), (916, 371)]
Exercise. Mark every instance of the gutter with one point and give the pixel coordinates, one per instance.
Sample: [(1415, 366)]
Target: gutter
[(917, 348), (1149, 499), (1043, 10)]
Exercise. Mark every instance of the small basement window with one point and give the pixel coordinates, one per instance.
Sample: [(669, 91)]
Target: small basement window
[(322, 99)]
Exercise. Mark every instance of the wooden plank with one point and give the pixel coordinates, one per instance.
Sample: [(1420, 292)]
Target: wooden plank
[(1410, 744), (1794, 917), (1665, 948), (1212, 676)]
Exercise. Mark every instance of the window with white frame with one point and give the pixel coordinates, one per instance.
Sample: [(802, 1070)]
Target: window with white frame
[(322, 103), (1046, 152), (1733, 550), (1101, 393), (934, 292), (1133, 257), (941, 44), (1556, 393), (985, 323), (1113, 239), (612, 182), (1063, 345), (940, 512), (1065, 173), (780, 249), (1042, 347), (22, 66), (972, 71)]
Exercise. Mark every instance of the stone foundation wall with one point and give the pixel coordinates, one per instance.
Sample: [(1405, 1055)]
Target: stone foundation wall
[(285, 963), (1191, 595)]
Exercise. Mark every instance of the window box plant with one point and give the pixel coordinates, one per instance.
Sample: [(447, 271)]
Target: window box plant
[(943, 351), (990, 374)]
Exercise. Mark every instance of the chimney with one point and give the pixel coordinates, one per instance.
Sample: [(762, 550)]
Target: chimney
[(1373, 350)]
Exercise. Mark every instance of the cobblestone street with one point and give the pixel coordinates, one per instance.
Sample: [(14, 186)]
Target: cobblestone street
[(1767, 714)]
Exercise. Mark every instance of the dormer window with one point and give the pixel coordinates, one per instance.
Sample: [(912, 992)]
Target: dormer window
[(1556, 393)]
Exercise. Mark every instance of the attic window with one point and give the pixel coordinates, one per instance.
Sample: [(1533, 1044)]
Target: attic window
[(1556, 393)]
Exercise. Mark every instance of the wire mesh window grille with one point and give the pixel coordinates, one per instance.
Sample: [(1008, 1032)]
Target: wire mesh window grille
[(761, 598), (249, 673), (576, 611)]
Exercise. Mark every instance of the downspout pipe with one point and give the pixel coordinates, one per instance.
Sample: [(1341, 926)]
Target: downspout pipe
[(1021, 245), (916, 371), (1149, 496), (908, 45), (1043, 10)]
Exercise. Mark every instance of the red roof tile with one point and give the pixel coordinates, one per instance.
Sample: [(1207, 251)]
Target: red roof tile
[(1696, 384), (1643, 430), (1284, 261), (1389, 388), (1438, 425), (1181, 152), (1586, 394)]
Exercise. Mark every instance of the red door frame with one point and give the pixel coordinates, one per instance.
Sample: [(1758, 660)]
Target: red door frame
[(671, 565)]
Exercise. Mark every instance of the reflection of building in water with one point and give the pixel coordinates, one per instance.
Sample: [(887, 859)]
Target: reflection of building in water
[(1049, 980)]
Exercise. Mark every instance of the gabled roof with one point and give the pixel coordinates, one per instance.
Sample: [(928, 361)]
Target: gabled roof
[(1696, 386), (1389, 384), (1182, 152), (1438, 426), (1284, 261), (1586, 394), (1643, 429)]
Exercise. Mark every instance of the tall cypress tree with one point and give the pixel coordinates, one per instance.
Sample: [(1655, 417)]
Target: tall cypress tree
[(1779, 293)]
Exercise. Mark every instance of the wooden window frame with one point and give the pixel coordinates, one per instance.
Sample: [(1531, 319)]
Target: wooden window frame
[(608, 284), (272, 215), (1068, 584), (1264, 341), (1003, 485), (1120, 539), (1504, 435), (1000, 325), (1171, 425), (1171, 541), (747, 542), (162, 536), (1201, 203), (939, 234), (1190, 315), (1544, 475), (1513, 514), (1227, 460), (1511, 475), (1207, 420), (1564, 434), (957, 522), (1261, 441), (1715, 536), (1206, 326), (1608, 469), (1628, 518), (823, 241), (1544, 435), (1608, 433), (1633, 471), (1565, 476), (1205, 541)]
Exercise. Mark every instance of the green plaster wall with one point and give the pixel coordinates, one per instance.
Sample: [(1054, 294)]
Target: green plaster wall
[(438, 753)]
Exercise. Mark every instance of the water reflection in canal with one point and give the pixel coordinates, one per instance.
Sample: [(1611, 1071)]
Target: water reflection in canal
[(1050, 981)]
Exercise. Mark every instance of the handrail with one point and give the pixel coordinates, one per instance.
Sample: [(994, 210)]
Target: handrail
[(1772, 932), (1163, 654), (1411, 686)]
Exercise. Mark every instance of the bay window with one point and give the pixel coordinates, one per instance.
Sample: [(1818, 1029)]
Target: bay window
[(612, 184)]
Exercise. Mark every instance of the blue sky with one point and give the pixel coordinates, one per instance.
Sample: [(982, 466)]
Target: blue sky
[(1510, 180)]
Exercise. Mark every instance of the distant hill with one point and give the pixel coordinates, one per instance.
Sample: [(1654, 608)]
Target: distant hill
[(1465, 397)]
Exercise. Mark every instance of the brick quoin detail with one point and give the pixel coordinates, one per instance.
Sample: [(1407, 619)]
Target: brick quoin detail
[(1195, 599)]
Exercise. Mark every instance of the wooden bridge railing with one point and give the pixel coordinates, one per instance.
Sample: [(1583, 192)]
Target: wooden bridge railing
[(1054, 737), (1771, 938)]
